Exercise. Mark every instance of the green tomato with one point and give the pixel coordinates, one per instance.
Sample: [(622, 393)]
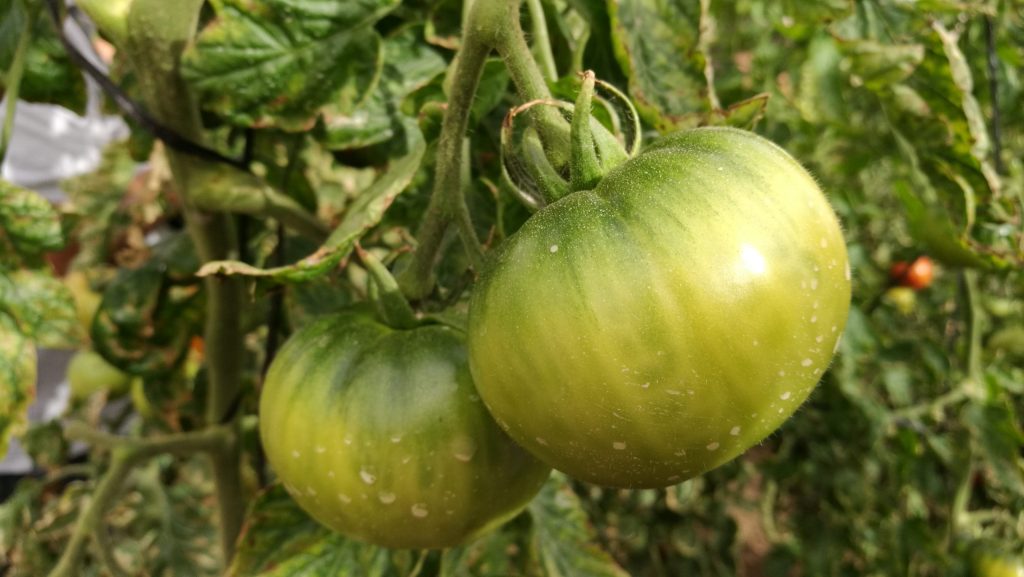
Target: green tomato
[(656, 327), (90, 373), (380, 435), (986, 563)]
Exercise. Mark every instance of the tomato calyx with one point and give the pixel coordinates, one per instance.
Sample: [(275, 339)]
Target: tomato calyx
[(527, 169)]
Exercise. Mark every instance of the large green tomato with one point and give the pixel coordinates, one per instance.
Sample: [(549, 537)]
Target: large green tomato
[(656, 327), (380, 435)]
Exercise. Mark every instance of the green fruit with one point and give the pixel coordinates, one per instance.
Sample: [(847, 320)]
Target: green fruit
[(656, 327), (90, 373), (991, 563), (380, 435)]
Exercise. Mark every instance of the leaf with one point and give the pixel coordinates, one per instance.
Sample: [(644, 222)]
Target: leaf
[(42, 306), (144, 324), (562, 536), (936, 232), (17, 380), (875, 65), (280, 540), (49, 75), (364, 213), (655, 43), (29, 224), (409, 65), (997, 432), (276, 62)]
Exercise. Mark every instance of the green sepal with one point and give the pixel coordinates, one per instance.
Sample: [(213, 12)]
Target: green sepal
[(388, 300)]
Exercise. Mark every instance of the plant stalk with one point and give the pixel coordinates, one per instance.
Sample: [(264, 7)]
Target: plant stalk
[(447, 203), (158, 32)]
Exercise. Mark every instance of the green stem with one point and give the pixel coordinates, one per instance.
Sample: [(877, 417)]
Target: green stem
[(974, 318), (158, 32), (498, 21), (92, 516), (541, 40), (447, 202), (13, 80), (210, 439)]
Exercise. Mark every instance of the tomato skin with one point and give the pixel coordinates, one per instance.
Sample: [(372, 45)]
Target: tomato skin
[(642, 333), (380, 435), (917, 275)]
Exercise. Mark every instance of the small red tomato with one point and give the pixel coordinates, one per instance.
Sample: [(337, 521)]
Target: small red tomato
[(916, 275)]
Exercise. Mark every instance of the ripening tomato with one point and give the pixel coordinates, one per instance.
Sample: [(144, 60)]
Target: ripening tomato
[(656, 327), (917, 275), (379, 434)]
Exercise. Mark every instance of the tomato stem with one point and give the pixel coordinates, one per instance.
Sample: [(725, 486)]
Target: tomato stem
[(586, 168), (447, 202)]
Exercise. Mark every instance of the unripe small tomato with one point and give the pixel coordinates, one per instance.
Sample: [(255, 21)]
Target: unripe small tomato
[(917, 275), (991, 563), (901, 297), (90, 373)]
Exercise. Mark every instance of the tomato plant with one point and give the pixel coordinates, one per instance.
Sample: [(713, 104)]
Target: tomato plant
[(572, 207), (917, 274), (379, 433), (653, 329)]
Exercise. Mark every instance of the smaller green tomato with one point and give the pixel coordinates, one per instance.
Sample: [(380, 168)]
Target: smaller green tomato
[(903, 298), (90, 373), (379, 434), (991, 563)]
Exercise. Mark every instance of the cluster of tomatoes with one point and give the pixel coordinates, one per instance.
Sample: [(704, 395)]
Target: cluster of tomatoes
[(633, 335)]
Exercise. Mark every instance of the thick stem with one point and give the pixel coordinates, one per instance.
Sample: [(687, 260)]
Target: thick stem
[(447, 203), (158, 33)]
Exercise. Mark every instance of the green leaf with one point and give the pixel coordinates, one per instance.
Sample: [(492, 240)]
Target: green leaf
[(875, 65), (43, 307), (655, 43), (49, 75), (280, 540), (17, 380), (997, 433), (936, 232), (29, 225), (276, 62), (144, 323), (563, 537), (409, 65), (365, 213)]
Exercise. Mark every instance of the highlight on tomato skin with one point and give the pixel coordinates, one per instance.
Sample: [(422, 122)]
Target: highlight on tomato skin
[(917, 274), (656, 327)]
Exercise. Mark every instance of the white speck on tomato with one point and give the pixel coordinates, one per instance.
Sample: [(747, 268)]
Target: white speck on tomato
[(295, 454), (386, 498), (554, 248), (713, 446), (619, 445), (367, 477), (419, 510), (734, 431), (344, 498), (806, 362), (785, 396)]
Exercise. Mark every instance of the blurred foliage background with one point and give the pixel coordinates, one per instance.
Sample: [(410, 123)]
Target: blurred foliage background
[(907, 460)]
